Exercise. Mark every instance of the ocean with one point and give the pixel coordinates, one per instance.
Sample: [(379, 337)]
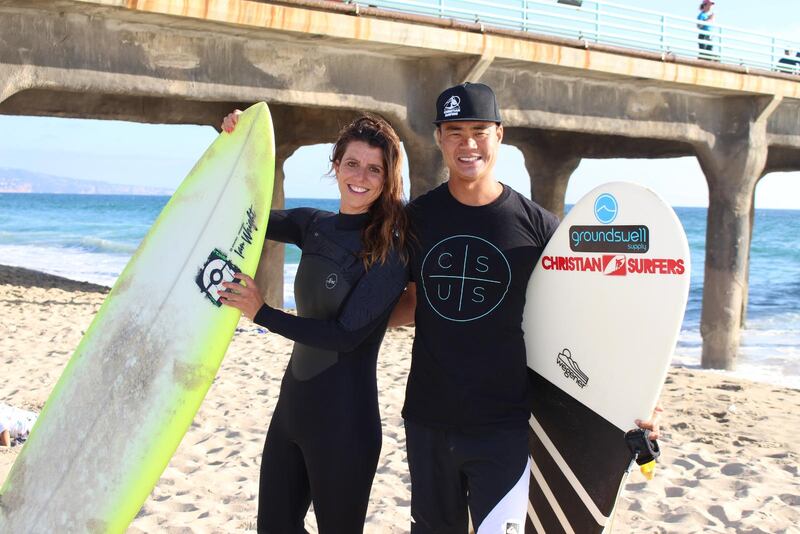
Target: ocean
[(91, 237)]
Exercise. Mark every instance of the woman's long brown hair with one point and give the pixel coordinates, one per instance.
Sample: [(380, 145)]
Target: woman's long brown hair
[(388, 224)]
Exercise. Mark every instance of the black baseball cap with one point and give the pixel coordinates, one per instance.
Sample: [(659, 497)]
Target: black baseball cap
[(467, 102)]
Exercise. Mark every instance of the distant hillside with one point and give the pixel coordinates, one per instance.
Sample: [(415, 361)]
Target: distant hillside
[(20, 181)]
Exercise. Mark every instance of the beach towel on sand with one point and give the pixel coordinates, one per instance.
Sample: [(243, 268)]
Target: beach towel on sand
[(18, 422)]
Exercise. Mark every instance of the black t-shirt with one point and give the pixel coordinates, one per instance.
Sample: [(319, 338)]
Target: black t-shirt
[(471, 265)]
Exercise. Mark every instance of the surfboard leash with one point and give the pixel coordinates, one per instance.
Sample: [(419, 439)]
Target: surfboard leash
[(644, 451)]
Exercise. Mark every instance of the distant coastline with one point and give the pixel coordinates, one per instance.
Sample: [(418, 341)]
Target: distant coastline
[(22, 181)]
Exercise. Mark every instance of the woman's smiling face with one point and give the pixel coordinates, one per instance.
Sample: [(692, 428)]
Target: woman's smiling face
[(360, 175)]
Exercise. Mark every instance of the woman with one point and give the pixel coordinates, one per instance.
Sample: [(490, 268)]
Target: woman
[(325, 436)]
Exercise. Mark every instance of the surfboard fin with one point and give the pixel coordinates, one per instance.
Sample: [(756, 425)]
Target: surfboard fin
[(648, 469)]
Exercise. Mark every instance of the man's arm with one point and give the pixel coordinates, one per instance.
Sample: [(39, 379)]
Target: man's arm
[(403, 313)]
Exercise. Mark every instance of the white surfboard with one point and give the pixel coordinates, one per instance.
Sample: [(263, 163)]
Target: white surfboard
[(603, 313), (133, 385)]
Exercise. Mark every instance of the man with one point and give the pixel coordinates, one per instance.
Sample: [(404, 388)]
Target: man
[(466, 411)]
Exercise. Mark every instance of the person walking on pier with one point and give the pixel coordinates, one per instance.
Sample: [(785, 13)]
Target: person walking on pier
[(704, 37)]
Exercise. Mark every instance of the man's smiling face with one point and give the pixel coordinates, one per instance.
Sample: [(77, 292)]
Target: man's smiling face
[(469, 148)]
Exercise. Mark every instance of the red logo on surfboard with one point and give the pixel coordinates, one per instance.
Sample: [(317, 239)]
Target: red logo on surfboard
[(615, 265)]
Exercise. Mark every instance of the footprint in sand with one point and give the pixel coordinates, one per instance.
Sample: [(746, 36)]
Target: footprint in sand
[(182, 507), (700, 460), (727, 386), (728, 515), (736, 469), (674, 492), (684, 464)]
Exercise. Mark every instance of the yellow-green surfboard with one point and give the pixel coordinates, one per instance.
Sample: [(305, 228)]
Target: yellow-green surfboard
[(138, 376)]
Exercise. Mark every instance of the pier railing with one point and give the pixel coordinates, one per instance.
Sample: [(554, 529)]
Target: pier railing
[(616, 25)]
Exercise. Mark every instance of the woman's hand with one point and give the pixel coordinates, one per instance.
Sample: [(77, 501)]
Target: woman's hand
[(652, 424), (244, 296), (230, 120)]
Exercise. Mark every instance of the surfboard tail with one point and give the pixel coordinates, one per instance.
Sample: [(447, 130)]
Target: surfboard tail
[(569, 493)]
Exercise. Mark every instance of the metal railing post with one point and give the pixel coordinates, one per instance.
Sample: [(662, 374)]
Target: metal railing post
[(773, 60), (597, 22), (524, 15)]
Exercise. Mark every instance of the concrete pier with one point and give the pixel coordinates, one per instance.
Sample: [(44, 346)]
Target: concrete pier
[(317, 63)]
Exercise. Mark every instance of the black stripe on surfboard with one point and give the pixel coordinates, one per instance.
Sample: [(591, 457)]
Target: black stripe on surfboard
[(594, 448), (544, 512), (576, 512), (530, 528)]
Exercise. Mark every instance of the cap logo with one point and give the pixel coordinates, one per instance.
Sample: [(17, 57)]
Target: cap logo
[(452, 106)]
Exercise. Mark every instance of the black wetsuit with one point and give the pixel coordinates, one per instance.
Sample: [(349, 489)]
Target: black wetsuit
[(325, 436)]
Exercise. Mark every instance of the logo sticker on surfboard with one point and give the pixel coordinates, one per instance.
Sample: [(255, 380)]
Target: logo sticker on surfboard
[(217, 269), (606, 208), (615, 265), (246, 232), (632, 239), (571, 368)]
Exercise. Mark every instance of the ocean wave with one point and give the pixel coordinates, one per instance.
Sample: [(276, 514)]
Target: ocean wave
[(97, 244), (53, 240), (8, 237)]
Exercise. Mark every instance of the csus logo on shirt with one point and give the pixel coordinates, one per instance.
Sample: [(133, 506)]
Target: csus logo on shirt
[(465, 277)]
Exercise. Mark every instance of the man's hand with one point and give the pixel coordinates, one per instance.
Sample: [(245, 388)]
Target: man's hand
[(652, 424)]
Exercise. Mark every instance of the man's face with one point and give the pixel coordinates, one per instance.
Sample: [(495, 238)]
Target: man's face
[(470, 148)]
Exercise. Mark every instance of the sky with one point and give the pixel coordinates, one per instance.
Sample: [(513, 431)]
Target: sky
[(161, 155)]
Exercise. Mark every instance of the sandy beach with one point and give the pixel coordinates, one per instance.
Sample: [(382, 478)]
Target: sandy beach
[(730, 451)]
